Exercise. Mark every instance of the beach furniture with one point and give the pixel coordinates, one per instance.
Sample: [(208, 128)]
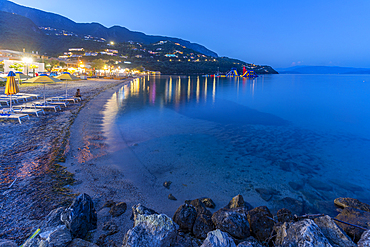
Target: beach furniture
[(26, 110), (31, 95), (13, 99), (60, 103), (41, 105), (4, 101), (14, 116), (64, 98)]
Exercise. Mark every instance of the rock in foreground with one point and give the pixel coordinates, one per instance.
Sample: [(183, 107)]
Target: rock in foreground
[(80, 217), (356, 217), (233, 221), (345, 202), (336, 236), (301, 233), (155, 230), (218, 238)]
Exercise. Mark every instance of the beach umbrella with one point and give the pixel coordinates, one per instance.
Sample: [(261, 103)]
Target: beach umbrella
[(43, 78), (11, 86), (67, 77), (20, 76)]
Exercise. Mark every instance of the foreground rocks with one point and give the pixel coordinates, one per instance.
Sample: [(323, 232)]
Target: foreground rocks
[(218, 238), (151, 230), (193, 225), (335, 235), (355, 217), (301, 233), (80, 217), (62, 227)]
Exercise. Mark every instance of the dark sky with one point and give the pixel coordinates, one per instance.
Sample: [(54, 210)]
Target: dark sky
[(278, 33)]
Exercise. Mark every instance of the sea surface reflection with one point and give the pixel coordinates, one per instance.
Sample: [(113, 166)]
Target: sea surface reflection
[(275, 139)]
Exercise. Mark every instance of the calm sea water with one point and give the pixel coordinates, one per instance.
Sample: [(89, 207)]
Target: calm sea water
[(276, 139)]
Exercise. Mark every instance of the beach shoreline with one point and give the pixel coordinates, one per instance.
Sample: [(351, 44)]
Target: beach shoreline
[(33, 177)]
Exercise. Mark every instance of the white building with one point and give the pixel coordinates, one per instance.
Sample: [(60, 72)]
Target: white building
[(7, 63)]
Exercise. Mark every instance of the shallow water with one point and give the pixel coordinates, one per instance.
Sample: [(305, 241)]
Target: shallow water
[(304, 137)]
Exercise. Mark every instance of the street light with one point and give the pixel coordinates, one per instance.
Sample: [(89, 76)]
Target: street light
[(27, 60)]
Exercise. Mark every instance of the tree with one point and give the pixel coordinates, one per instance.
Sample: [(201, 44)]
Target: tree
[(33, 67), (62, 64), (97, 64), (17, 66), (50, 64)]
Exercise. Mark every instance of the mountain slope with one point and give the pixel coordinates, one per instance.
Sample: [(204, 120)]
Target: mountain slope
[(116, 33), (26, 35)]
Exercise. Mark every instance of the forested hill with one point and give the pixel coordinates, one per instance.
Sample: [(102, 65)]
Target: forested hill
[(116, 33)]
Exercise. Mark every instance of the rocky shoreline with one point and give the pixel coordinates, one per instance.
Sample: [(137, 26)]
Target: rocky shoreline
[(237, 224)]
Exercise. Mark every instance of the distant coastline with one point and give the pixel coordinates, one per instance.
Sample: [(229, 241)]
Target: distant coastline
[(322, 70)]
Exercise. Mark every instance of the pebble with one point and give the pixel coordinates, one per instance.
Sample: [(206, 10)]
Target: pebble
[(167, 184), (171, 197)]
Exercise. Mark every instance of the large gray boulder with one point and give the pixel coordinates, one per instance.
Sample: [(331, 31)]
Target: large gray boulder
[(218, 238), (303, 233), (233, 221), (345, 202), (80, 217), (364, 241), (336, 236), (261, 223), (139, 209), (355, 217), (155, 230), (185, 217), (7, 243)]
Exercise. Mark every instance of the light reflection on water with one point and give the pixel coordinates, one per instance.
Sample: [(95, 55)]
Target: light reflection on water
[(281, 133)]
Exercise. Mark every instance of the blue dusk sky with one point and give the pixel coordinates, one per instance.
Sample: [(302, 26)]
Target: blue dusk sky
[(278, 33)]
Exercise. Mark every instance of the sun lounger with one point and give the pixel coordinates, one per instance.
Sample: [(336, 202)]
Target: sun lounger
[(14, 99), (14, 116), (36, 96), (57, 98), (23, 110), (51, 102), (45, 107), (4, 101)]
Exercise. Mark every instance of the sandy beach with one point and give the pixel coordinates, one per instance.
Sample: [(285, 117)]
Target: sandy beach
[(32, 155)]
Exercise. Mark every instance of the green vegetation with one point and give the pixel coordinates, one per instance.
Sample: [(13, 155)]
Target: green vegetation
[(17, 66), (97, 64)]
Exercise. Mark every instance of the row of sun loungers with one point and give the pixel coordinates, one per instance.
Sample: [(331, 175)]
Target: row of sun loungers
[(5, 99), (35, 107)]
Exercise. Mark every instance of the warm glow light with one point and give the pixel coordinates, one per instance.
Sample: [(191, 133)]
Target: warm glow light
[(112, 43), (27, 60)]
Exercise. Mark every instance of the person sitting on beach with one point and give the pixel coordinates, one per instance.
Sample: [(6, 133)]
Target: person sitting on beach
[(78, 94)]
